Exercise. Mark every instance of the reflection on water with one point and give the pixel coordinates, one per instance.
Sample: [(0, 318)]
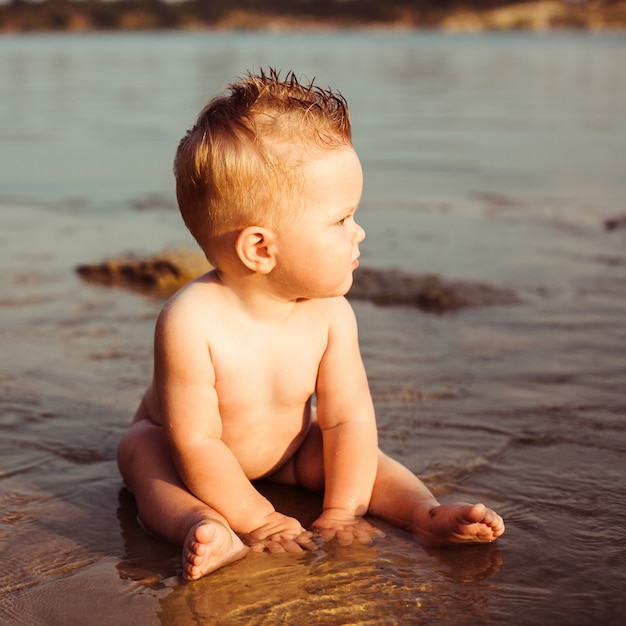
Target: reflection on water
[(489, 159), (333, 585)]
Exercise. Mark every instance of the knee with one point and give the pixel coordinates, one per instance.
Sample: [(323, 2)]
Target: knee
[(142, 440)]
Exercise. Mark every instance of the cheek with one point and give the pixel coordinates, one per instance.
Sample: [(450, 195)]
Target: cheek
[(339, 246)]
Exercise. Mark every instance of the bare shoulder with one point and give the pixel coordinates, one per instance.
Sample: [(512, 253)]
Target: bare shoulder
[(332, 316), (340, 314), (336, 316), (191, 308), (336, 308)]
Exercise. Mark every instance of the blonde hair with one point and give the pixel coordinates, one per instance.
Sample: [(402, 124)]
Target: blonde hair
[(230, 169)]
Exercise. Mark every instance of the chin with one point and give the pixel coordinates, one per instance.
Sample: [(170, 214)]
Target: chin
[(329, 291), (344, 288)]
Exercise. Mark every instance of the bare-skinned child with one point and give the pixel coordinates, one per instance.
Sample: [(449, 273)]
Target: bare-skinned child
[(257, 367)]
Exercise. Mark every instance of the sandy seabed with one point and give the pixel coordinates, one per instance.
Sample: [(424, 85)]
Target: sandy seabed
[(458, 401)]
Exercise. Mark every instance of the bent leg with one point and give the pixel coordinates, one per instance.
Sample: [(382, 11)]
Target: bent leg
[(400, 498), (168, 509)]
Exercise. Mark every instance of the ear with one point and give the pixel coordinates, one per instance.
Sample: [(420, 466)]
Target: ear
[(255, 249)]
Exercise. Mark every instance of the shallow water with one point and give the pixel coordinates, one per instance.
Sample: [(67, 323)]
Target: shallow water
[(486, 158)]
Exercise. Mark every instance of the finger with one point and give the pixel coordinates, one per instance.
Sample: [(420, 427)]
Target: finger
[(365, 537), (291, 546), (275, 547), (345, 537), (317, 538), (257, 547), (368, 535), (306, 541), (326, 534)]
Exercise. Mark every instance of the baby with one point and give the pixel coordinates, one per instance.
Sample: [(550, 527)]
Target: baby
[(257, 369)]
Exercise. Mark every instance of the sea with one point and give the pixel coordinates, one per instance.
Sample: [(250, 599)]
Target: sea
[(497, 159)]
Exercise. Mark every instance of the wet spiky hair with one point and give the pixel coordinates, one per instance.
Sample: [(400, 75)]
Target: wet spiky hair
[(231, 168)]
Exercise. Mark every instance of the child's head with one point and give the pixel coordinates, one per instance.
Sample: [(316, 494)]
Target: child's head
[(239, 165)]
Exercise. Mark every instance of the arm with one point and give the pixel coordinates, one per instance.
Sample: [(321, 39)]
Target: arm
[(347, 421), (188, 405)]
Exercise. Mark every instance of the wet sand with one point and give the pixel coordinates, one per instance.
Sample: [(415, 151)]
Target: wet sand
[(457, 401), (498, 162)]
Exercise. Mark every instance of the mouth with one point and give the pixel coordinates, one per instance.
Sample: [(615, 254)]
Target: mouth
[(355, 263)]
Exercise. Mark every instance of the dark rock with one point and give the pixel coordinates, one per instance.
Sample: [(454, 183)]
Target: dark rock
[(618, 221), (164, 273), (427, 292)]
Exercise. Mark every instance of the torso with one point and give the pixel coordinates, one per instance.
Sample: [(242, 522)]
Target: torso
[(265, 376)]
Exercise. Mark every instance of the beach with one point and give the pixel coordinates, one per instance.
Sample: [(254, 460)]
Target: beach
[(490, 159)]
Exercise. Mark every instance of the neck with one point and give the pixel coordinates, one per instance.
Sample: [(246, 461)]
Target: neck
[(253, 294)]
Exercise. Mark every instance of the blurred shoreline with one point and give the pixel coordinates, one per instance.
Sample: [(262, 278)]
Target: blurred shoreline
[(489, 160), (20, 16)]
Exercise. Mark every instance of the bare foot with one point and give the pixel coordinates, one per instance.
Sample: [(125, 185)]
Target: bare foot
[(458, 522), (210, 545)]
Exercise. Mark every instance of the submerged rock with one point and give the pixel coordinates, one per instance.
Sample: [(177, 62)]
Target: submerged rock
[(164, 273), (161, 274), (427, 292), (617, 221)]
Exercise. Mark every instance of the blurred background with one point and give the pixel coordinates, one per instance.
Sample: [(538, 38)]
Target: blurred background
[(492, 136)]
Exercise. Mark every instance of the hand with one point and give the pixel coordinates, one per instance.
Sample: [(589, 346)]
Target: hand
[(340, 525), (279, 533)]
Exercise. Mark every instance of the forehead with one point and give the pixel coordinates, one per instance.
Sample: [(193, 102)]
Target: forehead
[(341, 165), (319, 180), (343, 157)]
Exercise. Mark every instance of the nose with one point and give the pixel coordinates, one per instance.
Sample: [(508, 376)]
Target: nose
[(359, 233)]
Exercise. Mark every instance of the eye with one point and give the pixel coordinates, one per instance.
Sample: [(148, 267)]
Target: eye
[(343, 220)]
